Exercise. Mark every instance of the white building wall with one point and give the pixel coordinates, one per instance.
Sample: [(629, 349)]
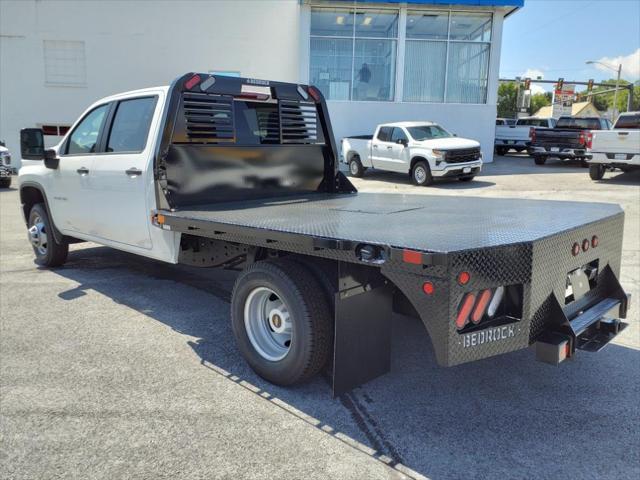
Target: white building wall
[(134, 44)]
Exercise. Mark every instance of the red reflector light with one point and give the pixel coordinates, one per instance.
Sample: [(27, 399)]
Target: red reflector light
[(411, 256), (575, 250), (585, 245), (594, 241), (315, 94), (465, 310), (427, 287), (192, 82), (589, 140), (463, 278), (481, 306)]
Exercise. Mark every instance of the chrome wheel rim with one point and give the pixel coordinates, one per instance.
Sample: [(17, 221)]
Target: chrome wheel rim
[(268, 324), (354, 167), (38, 235), (420, 174)]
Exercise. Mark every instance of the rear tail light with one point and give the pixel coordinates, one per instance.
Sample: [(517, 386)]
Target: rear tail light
[(589, 140), (315, 94), (481, 306), (192, 82), (502, 304), (532, 134), (582, 138), (465, 310)]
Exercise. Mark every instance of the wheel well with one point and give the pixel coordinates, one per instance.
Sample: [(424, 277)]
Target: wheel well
[(352, 154), (415, 160), (29, 196)]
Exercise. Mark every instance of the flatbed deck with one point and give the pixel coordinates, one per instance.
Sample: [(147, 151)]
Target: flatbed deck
[(422, 222)]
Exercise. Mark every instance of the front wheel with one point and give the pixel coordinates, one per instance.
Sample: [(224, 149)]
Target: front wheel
[(421, 174), (596, 171), (282, 326), (5, 182), (49, 252), (539, 160)]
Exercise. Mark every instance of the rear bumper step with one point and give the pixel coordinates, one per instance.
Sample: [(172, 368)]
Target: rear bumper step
[(590, 330)]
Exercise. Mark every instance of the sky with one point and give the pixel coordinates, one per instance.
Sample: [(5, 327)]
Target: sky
[(554, 38)]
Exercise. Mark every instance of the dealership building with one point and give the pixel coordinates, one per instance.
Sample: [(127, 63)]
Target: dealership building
[(375, 61)]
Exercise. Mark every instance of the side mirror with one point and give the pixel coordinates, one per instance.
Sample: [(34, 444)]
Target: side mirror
[(51, 159), (32, 144), (402, 141)]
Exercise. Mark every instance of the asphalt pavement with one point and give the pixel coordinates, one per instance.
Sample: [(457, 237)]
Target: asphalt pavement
[(115, 366)]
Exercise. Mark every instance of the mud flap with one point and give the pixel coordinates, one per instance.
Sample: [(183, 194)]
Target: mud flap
[(362, 341)]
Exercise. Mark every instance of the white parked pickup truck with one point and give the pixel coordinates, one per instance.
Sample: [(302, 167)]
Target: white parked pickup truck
[(618, 148), (424, 150), (518, 136)]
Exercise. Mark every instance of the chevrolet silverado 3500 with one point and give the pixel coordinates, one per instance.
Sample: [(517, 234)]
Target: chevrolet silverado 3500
[(242, 174)]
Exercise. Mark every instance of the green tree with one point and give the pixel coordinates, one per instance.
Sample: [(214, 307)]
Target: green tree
[(538, 101), (507, 99), (604, 101)]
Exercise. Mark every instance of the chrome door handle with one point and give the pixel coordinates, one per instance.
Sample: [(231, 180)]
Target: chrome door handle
[(133, 172), (83, 170), (389, 148), (375, 146)]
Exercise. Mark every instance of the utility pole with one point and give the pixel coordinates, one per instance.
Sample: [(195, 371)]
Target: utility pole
[(615, 95)]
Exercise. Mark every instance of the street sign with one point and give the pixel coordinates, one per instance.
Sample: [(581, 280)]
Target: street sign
[(563, 99)]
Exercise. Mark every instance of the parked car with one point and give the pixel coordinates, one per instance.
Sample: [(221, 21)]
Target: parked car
[(567, 140), (5, 166), (424, 150), (618, 148), (242, 174), (518, 136)]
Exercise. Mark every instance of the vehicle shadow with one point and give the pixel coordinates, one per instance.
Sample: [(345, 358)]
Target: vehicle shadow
[(506, 417), (402, 179)]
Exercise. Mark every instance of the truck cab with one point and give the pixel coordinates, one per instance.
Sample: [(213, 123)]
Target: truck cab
[(425, 150)]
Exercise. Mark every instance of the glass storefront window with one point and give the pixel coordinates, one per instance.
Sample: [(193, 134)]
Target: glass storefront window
[(376, 23), (475, 27), (331, 63), (446, 54), (468, 72), (427, 25), (332, 22), (374, 69)]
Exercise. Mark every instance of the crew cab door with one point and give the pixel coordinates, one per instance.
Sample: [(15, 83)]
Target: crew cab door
[(379, 147), (390, 153), (121, 177), (70, 185)]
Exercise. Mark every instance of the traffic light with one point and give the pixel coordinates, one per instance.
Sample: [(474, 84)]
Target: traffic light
[(590, 85), (527, 84), (560, 84)]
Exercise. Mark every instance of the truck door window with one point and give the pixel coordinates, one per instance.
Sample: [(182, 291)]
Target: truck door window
[(398, 134), (384, 134), (84, 138), (130, 127)]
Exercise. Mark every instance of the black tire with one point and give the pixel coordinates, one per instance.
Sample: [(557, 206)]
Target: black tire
[(51, 253), (596, 171), (355, 167), (421, 174), (502, 150), (312, 341), (467, 179), (539, 160), (5, 182)]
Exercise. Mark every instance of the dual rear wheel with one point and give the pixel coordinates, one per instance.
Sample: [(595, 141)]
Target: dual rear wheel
[(282, 321)]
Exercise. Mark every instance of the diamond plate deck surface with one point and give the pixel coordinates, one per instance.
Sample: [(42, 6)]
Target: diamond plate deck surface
[(421, 222)]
